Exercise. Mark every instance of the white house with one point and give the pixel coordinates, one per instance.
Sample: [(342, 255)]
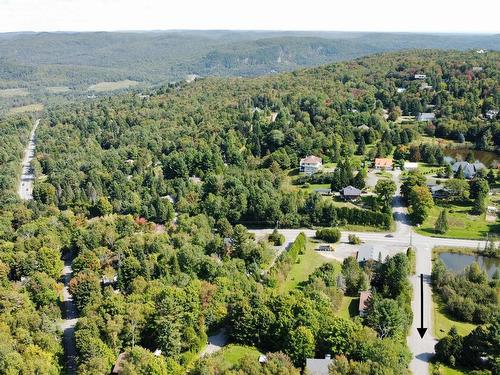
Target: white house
[(420, 76), (410, 166), (310, 164), (400, 90), (426, 116)]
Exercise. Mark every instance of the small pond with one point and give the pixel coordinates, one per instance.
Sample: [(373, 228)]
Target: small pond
[(460, 153), (457, 262)]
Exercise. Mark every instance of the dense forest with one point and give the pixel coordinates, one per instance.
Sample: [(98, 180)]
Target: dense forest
[(152, 195)]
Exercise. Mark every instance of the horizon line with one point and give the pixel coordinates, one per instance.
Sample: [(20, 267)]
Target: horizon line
[(492, 33)]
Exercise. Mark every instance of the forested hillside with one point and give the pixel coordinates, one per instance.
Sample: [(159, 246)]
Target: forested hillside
[(153, 196), (65, 65)]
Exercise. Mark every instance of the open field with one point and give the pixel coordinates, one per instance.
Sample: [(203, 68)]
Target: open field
[(312, 187), (349, 307), (27, 108), (305, 266), (10, 93), (461, 223), (111, 86), (58, 89), (232, 354), (442, 322)]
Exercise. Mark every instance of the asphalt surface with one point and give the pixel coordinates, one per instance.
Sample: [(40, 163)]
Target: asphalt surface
[(70, 319), (404, 236), (25, 189)]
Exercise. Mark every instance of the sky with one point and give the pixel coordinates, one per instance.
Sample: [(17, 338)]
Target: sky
[(479, 16)]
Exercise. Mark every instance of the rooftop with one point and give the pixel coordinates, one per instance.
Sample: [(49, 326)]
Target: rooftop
[(311, 159), (317, 366), (363, 299), (372, 252), (383, 162)]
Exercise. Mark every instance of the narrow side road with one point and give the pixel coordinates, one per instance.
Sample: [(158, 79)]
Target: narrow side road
[(70, 317), (25, 189)]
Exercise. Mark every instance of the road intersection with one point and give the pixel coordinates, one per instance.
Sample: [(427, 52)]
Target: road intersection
[(404, 236)]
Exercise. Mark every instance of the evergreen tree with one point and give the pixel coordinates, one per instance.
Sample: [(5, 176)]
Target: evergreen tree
[(441, 225), (361, 146)]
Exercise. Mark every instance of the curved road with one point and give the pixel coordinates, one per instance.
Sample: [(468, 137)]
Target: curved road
[(404, 236), (67, 325)]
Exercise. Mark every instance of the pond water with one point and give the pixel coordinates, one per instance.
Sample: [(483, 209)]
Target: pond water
[(457, 262), (460, 153)]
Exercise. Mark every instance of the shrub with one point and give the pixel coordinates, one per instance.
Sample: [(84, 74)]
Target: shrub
[(276, 238), (354, 240), (328, 234)]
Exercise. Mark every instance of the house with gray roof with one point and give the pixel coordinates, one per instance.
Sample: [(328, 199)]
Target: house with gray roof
[(469, 169), (375, 252), (350, 193), (315, 366)]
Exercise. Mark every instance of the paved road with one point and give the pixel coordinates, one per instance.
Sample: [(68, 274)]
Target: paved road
[(422, 349), (25, 189), (67, 325)]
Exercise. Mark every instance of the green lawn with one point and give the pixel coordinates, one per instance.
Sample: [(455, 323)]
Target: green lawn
[(312, 187), (349, 307), (305, 266), (232, 353), (426, 168), (442, 322), (445, 370), (460, 222)]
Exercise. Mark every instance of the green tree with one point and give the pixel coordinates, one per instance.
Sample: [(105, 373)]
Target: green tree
[(385, 189), (355, 278), (386, 316), (103, 207), (458, 189), (441, 225), (300, 345), (420, 202)]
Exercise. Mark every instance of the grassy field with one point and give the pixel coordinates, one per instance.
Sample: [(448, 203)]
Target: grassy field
[(445, 370), (10, 93), (442, 322), (305, 266), (231, 354), (349, 307), (426, 168), (26, 108), (58, 89), (110, 86), (461, 223), (312, 187)]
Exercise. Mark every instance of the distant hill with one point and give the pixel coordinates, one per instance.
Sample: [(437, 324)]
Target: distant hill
[(79, 59), (52, 66)]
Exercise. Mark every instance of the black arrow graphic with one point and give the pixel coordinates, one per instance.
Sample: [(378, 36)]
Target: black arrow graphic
[(421, 330)]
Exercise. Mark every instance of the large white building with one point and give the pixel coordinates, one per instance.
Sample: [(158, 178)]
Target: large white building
[(310, 164)]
